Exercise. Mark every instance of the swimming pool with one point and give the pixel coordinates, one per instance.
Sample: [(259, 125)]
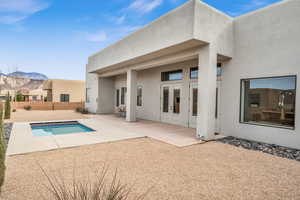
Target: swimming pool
[(58, 128)]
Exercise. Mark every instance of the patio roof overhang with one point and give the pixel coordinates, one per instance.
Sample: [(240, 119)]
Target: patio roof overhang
[(176, 53)]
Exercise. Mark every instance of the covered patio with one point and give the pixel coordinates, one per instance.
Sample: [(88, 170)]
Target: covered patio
[(108, 128)]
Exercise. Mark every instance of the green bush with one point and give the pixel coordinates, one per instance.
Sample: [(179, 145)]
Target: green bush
[(82, 110), (7, 107), (2, 148), (27, 107), (78, 109), (19, 97)]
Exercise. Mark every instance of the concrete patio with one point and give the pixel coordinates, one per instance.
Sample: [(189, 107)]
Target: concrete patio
[(108, 128)]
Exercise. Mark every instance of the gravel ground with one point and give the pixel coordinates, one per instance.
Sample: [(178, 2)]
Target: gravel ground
[(284, 152), (7, 131), (200, 172)]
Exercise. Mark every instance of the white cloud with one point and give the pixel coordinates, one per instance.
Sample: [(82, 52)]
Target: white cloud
[(252, 5), (10, 19), (120, 20), (109, 35), (129, 29), (144, 6), (13, 11), (99, 36)]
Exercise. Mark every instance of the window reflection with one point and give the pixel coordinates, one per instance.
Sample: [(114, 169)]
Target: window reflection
[(172, 75), (269, 101)]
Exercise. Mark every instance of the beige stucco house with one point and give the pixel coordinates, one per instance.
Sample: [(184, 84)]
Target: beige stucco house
[(198, 67), (59, 90)]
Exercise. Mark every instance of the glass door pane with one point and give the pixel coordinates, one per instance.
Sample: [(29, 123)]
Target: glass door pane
[(176, 101), (166, 99), (195, 101)]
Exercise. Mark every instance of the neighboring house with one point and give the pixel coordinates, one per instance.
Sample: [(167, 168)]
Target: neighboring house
[(197, 67), (29, 95), (20, 88), (65, 90)]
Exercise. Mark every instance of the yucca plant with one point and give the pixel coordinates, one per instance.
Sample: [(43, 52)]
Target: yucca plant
[(100, 188), (7, 107)]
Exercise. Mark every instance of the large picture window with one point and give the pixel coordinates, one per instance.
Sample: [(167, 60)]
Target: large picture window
[(269, 101)]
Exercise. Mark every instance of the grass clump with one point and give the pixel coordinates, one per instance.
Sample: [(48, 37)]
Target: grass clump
[(7, 107), (27, 107), (2, 148), (101, 187)]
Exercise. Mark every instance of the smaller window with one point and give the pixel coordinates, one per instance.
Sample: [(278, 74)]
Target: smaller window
[(172, 75), (194, 73), (123, 93), (219, 69), (139, 96), (87, 97), (217, 102), (118, 98), (64, 98), (166, 99), (195, 101), (176, 101)]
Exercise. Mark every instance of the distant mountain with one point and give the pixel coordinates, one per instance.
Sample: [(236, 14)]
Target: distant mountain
[(31, 75), (18, 83)]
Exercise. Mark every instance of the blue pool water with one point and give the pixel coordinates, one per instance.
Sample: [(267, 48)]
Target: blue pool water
[(48, 129)]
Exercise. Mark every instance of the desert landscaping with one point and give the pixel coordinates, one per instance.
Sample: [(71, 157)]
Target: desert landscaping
[(209, 170), (205, 171), (150, 100)]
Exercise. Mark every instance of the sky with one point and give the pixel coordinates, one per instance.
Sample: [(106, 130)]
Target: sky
[(280, 83), (55, 37)]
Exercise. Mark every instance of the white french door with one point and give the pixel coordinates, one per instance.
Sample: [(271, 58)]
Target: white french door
[(171, 106)]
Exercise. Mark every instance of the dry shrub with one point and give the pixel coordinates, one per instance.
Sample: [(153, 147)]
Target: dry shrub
[(101, 187)]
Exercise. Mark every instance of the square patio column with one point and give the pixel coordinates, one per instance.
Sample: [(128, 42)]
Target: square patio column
[(207, 83), (131, 96)]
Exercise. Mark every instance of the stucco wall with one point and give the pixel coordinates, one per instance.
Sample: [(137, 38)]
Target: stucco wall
[(75, 88), (150, 80), (213, 26), (92, 92), (154, 36), (106, 95), (266, 45), (193, 20)]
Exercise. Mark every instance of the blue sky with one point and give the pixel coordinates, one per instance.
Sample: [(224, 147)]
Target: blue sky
[(55, 37), (281, 83)]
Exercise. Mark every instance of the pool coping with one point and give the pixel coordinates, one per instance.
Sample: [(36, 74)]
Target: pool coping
[(22, 141)]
